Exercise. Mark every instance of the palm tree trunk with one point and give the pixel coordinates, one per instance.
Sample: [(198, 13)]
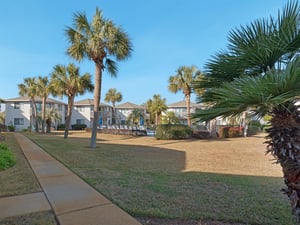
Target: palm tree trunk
[(34, 115), (97, 96), (43, 114), (284, 144), (69, 115), (188, 104)]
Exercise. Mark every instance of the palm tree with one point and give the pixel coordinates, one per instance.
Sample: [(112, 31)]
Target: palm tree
[(68, 81), (254, 49), (135, 116), (44, 89), (255, 76), (157, 106), (182, 81), (274, 94), (170, 118), (29, 88), (99, 40), (113, 96), (52, 115)]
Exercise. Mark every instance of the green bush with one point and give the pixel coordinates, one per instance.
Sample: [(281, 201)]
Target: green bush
[(7, 158), (11, 128), (78, 126), (61, 126), (252, 130), (172, 131)]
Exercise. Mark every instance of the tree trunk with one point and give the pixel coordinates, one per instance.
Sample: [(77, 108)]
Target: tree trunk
[(43, 114), (69, 115), (34, 115), (188, 104), (284, 144), (97, 96)]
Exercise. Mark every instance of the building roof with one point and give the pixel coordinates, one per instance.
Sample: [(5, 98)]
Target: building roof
[(129, 105), (182, 104), (37, 99), (88, 101)]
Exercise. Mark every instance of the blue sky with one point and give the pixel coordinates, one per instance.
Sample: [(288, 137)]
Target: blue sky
[(165, 34)]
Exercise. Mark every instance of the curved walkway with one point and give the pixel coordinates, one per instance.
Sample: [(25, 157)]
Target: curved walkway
[(72, 200)]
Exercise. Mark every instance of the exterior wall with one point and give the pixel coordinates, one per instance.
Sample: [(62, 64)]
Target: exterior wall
[(24, 113), (13, 113), (83, 113)]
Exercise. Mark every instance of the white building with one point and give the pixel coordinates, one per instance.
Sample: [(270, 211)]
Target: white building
[(19, 111), (124, 110), (83, 113), (180, 110)]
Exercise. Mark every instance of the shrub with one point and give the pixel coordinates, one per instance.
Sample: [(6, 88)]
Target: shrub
[(7, 158), (78, 126), (61, 126), (171, 131), (11, 127), (229, 132), (201, 134)]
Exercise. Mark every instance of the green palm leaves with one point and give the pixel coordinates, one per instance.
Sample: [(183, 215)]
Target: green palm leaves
[(256, 48), (100, 41), (182, 81), (260, 94)]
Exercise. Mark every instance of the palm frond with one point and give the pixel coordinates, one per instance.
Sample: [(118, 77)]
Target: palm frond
[(259, 94), (112, 67)]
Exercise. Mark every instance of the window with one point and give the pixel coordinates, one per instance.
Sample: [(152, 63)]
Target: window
[(80, 109), (17, 105), (18, 121), (80, 121)]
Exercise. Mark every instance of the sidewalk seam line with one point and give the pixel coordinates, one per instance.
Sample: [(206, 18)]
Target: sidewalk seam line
[(81, 209)]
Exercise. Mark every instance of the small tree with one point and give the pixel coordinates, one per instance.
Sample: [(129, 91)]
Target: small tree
[(44, 89), (182, 81), (135, 116), (156, 107), (170, 118), (68, 81), (113, 96), (29, 88)]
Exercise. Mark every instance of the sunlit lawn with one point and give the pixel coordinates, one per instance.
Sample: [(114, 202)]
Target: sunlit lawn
[(19, 180), (227, 180)]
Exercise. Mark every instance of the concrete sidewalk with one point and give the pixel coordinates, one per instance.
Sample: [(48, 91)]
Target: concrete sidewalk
[(72, 200)]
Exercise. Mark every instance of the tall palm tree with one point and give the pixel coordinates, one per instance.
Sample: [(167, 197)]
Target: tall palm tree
[(100, 41), (67, 81), (113, 96), (274, 94), (29, 88), (157, 106), (182, 81), (44, 89)]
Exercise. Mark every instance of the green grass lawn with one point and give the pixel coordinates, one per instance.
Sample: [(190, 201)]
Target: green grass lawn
[(149, 181), (18, 180)]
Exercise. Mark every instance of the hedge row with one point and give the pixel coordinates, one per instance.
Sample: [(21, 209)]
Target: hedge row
[(171, 131)]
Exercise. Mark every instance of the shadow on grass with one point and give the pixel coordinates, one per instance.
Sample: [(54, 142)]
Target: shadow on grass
[(150, 181)]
